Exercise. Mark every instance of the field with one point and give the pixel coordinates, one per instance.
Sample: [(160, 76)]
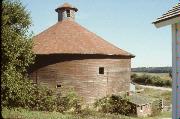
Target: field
[(166, 95), (164, 76)]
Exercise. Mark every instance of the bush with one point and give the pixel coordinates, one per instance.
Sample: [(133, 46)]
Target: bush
[(70, 101), (29, 96), (18, 95), (156, 109), (42, 99), (114, 104), (103, 105), (134, 76), (150, 80)]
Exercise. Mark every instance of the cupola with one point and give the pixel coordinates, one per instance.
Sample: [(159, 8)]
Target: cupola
[(66, 11)]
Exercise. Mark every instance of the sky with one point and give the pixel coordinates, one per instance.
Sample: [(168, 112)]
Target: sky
[(124, 23)]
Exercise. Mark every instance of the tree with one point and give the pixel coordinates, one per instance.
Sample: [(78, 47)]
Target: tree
[(16, 54)]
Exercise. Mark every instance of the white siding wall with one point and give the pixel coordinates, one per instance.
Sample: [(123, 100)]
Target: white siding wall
[(178, 65)]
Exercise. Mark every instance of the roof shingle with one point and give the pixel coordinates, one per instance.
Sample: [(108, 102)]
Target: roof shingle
[(174, 12), (68, 37)]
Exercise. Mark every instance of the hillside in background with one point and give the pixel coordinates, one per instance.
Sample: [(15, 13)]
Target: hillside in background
[(152, 69)]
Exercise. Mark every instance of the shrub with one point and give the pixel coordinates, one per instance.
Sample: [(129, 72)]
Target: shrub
[(36, 97), (156, 108), (68, 101), (103, 105), (168, 83), (18, 95), (42, 99), (134, 76), (114, 104), (150, 80)]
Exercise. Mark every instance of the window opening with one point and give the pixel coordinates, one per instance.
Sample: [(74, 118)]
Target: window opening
[(101, 70), (141, 107), (58, 85), (68, 13)]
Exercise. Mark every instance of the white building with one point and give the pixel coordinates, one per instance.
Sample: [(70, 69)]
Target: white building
[(172, 17)]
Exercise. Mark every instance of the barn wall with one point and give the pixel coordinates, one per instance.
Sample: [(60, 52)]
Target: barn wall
[(82, 74)]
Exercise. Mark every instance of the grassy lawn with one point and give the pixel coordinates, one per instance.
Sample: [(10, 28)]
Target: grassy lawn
[(165, 95), (25, 114), (164, 76)]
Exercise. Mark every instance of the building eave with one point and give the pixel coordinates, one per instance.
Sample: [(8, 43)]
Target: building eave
[(168, 21)]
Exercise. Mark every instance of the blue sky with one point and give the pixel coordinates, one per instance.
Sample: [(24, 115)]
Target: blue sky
[(124, 23)]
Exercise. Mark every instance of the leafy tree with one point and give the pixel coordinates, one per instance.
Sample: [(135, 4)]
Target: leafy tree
[(16, 53)]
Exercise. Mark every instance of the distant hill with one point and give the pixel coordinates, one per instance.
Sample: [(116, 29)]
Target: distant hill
[(152, 69)]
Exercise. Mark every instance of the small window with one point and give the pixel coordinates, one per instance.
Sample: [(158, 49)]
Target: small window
[(58, 85), (68, 13), (141, 107), (101, 70)]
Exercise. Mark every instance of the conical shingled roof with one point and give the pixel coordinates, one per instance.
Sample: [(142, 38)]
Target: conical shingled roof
[(68, 37)]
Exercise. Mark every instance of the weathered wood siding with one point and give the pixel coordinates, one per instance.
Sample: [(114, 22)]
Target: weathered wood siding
[(82, 74)]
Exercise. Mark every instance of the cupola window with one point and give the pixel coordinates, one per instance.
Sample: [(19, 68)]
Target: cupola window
[(68, 13)]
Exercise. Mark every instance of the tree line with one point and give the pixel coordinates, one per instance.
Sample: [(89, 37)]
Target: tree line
[(152, 69)]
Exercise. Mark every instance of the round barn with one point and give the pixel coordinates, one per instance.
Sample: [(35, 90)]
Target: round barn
[(70, 56)]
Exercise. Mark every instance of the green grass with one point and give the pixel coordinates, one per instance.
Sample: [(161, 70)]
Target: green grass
[(25, 114), (165, 95)]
